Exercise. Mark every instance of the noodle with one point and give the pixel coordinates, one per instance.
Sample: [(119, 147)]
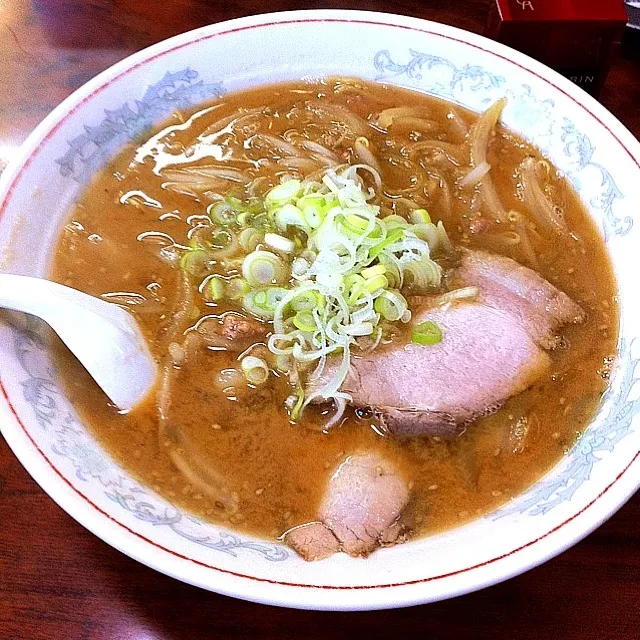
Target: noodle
[(523, 227), (527, 247), (199, 474), (482, 131), (221, 440), (538, 205), (169, 435), (280, 145), (475, 175), (342, 115), (491, 203), (258, 186), (218, 126), (306, 165), (318, 149), (353, 169), (438, 191), (457, 125), (456, 154), (387, 117), (503, 242), (363, 153), (418, 183), (410, 205), (416, 124), (479, 135), (463, 293), (200, 175), (197, 179)]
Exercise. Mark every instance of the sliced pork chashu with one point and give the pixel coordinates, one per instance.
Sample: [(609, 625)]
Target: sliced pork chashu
[(493, 347), (360, 510)]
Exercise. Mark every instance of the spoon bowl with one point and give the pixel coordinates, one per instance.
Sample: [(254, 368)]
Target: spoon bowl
[(104, 337)]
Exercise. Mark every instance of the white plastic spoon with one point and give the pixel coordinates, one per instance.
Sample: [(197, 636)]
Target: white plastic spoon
[(103, 336)]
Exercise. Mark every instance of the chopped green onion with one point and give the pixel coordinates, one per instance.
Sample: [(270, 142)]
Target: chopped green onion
[(221, 239), (331, 185), (379, 231), (255, 302), (307, 301), (290, 216), (279, 243), (356, 292), (420, 216), (313, 208), (375, 283), (283, 363), (235, 203), (261, 268), (216, 288), (393, 273), (393, 236), (255, 370), (222, 213), (263, 302), (304, 321), (283, 193), (422, 274), (313, 216), (243, 218), (295, 412), (395, 221), (250, 238), (197, 242), (376, 270), (196, 262), (331, 281), (261, 221), (327, 269), (391, 305), (236, 288), (299, 267), (354, 286), (312, 199), (426, 333), (362, 329), (352, 279), (427, 232), (355, 223), (275, 296)]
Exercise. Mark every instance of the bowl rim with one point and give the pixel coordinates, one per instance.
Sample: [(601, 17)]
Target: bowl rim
[(281, 593)]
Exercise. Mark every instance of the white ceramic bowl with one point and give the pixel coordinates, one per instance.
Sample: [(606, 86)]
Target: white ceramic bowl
[(599, 156)]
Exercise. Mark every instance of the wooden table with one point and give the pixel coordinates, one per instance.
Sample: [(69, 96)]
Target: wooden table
[(57, 581)]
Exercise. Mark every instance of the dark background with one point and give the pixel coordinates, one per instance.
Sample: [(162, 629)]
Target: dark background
[(57, 581)]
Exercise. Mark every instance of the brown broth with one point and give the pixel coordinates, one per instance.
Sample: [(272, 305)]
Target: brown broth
[(277, 469)]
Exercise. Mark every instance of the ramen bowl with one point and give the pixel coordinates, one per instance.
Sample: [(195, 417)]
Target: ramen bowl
[(585, 142)]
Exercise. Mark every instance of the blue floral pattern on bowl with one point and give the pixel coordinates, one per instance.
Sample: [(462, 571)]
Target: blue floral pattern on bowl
[(89, 151)]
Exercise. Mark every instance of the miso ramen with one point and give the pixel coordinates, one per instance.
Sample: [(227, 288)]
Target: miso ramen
[(376, 315)]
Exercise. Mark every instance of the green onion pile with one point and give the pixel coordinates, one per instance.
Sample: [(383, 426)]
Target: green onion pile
[(328, 271)]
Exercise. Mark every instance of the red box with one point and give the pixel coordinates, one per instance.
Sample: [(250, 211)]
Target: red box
[(577, 38)]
